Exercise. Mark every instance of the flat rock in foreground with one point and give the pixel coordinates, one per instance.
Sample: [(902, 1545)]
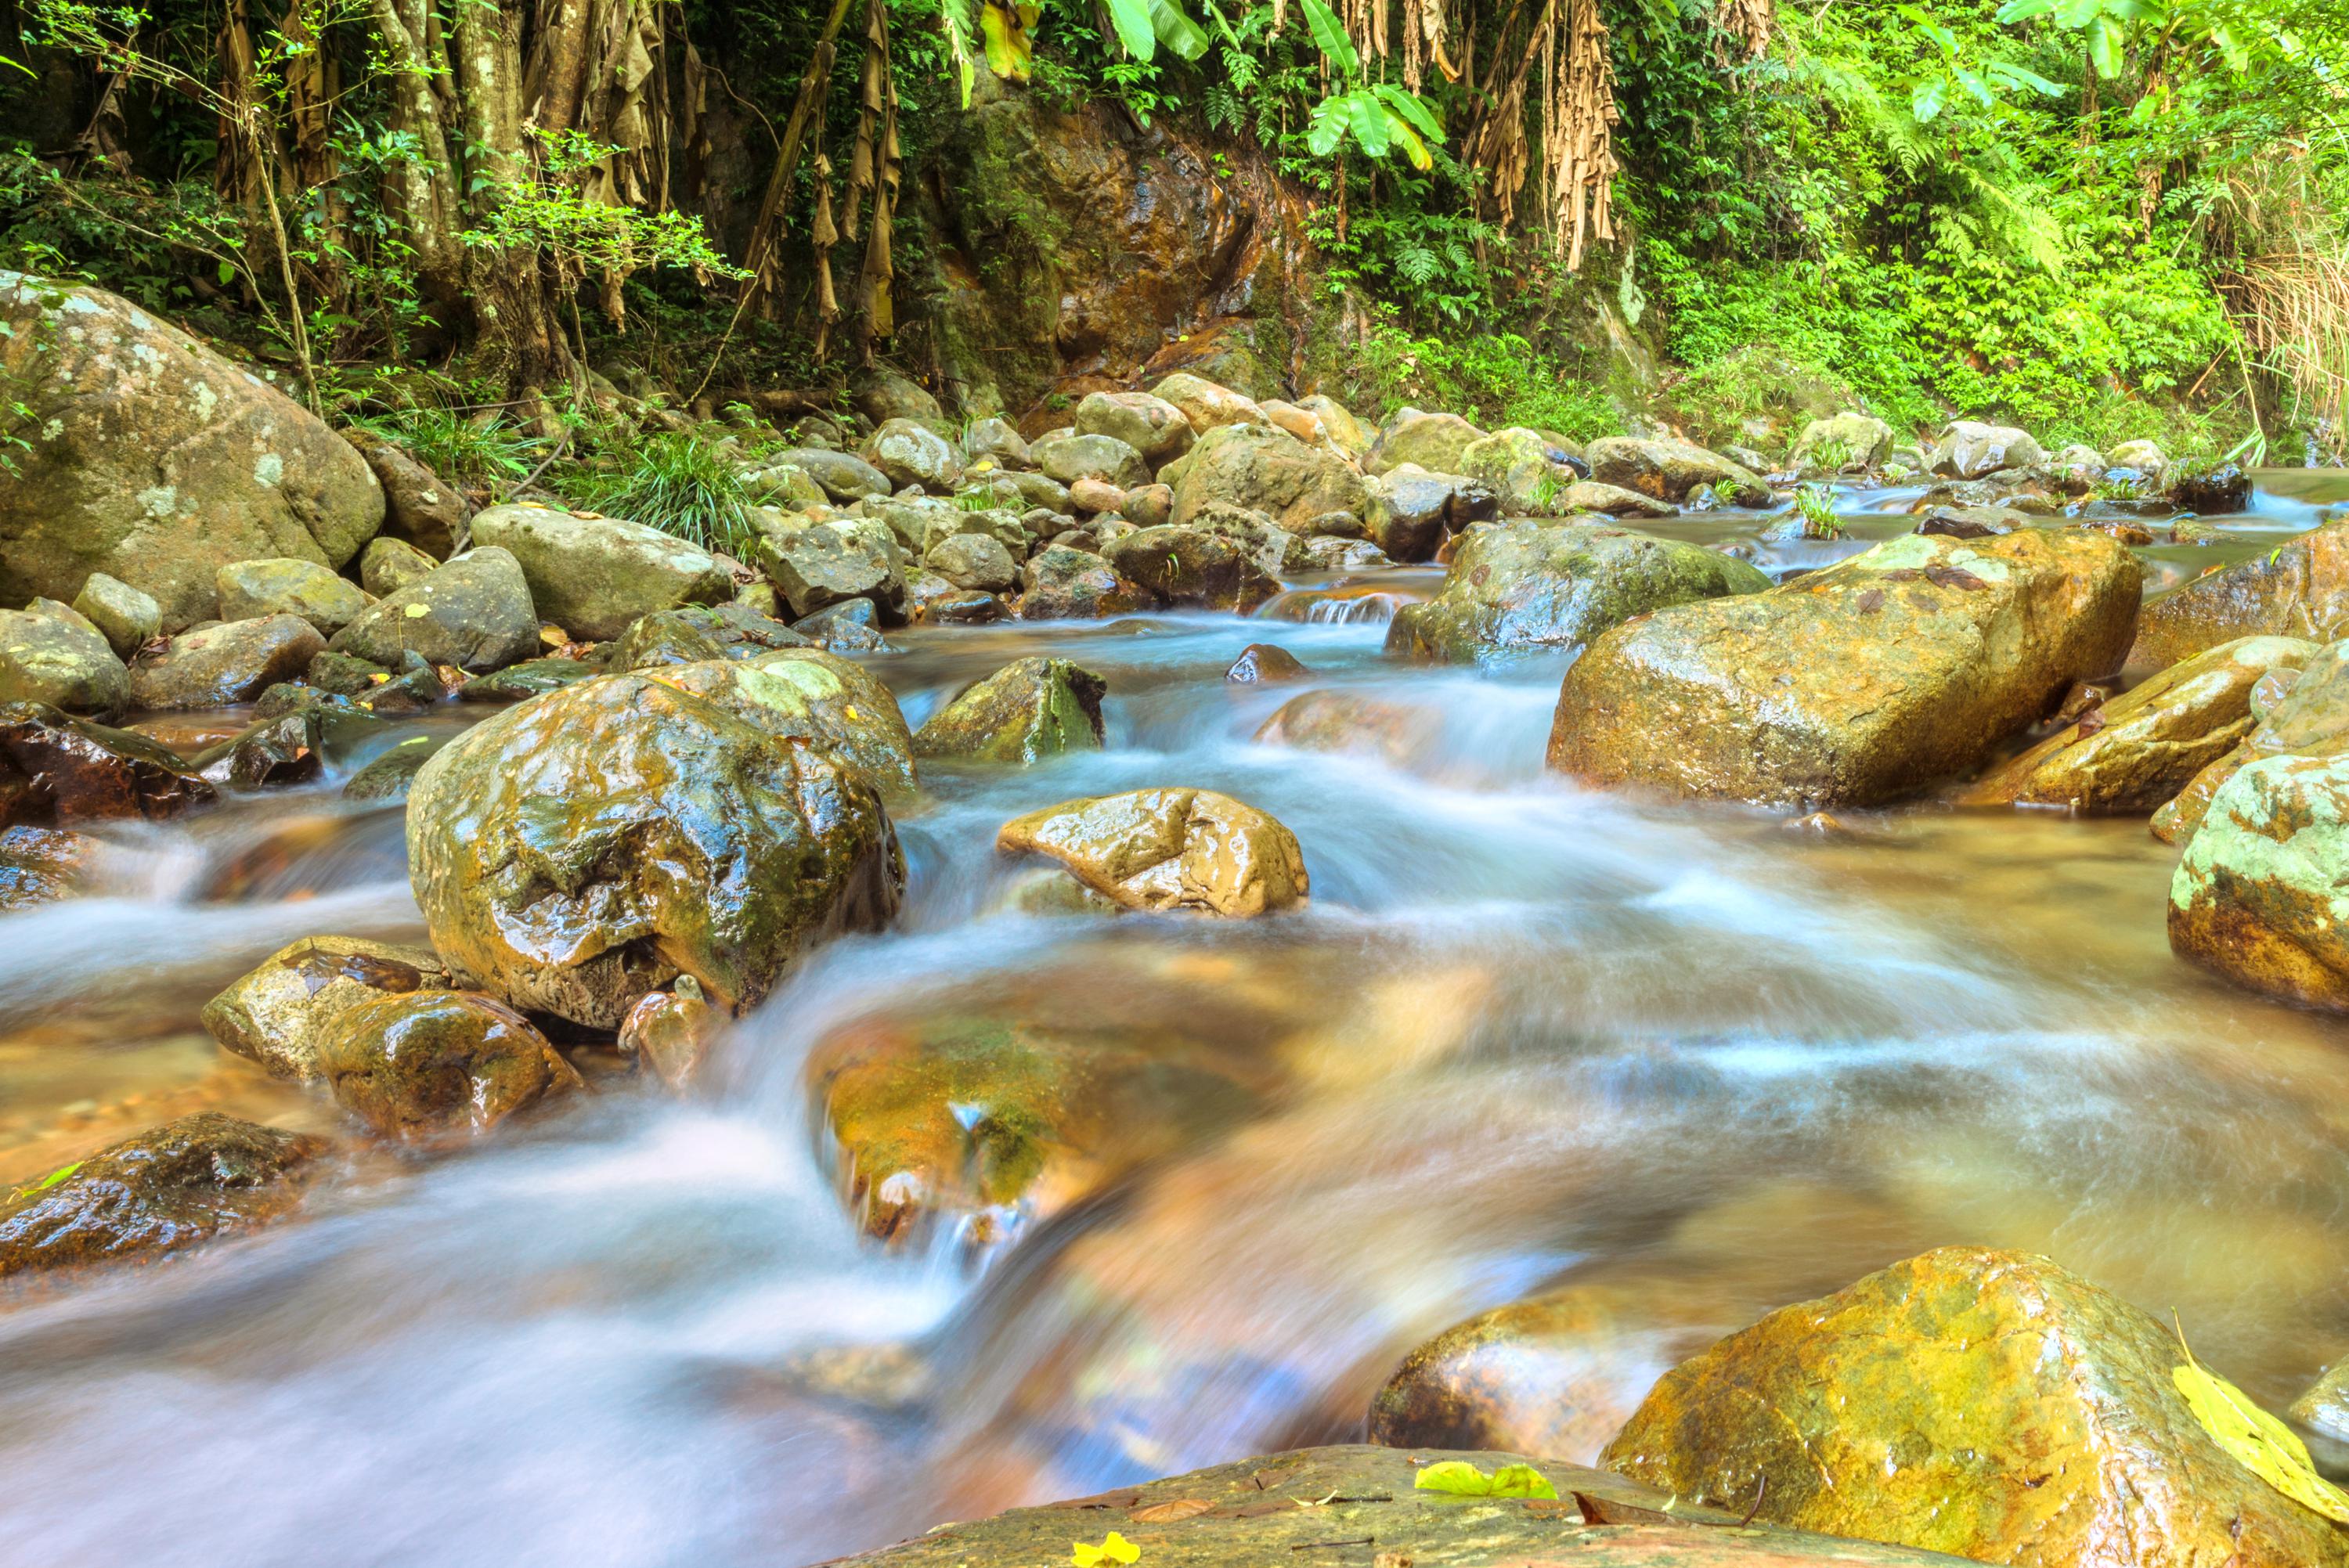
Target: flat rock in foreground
[(1853, 685), (1355, 1505)]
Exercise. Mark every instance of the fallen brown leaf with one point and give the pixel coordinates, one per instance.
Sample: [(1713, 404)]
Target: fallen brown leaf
[(1173, 1512)]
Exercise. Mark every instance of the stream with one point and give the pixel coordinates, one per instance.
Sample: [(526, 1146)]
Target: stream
[(1523, 1033)]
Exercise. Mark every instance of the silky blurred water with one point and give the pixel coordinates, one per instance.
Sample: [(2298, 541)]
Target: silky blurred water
[(1523, 1033)]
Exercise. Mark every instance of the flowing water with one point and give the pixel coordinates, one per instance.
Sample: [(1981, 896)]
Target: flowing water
[(1525, 1033)]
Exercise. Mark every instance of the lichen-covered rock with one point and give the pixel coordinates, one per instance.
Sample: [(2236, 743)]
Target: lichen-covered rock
[(911, 453), (832, 562), (1024, 712), (1149, 424), (1065, 584), (249, 590), (1206, 405), (1260, 468), (1190, 566), (127, 619), (1174, 849), (389, 564), (1434, 441), (156, 461), (166, 1189), (2261, 894), (2137, 751), (844, 476), (1855, 684), (973, 561), (420, 507), (1244, 1515), (1530, 477), (1667, 469), (2300, 589), (1983, 1403), (1843, 441), (474, 612), (1518, 588), (58, 768), (594, 576), (999, 439), (52, 654), (585, 847), (1970, 448), (412, 1064), (275, 1015), (1265, 664), (1072, 458), (833, 704), (232, 662)]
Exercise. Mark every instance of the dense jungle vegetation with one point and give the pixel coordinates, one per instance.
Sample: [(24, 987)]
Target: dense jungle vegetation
[(2096, 218)]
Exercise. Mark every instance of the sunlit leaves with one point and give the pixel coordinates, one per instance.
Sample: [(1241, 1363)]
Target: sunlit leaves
[(1460, 1479), (1010, 45), (2265, 1446), (1115, 1548), (1142, 25), (1330, 37)]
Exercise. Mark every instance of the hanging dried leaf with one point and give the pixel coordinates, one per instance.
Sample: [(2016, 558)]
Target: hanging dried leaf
[(1747, 21), (1578, 135)]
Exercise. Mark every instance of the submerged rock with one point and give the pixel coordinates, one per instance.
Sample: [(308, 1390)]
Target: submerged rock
[(1529, 587), (56, 769), (1247, 1515), (585, 847), (1265, 664), (414, 1063), (2138, 750), (475, 613), (2300, 589), (390, 776), (670, 1032), (249, 590), (594, 576), (275, 1015), (233, 662), (1024, 712), (39, 865), (54, 655), (1169, 849), (1983, 1403), (1345, 721), (166, 1189), (1855, 684)]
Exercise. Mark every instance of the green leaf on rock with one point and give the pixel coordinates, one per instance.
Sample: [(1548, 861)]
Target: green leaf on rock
[(1460, 1479), (2265, 1446)]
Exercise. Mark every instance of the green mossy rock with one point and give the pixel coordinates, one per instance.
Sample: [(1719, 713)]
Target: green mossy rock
[(2261, 894), (1853, 685), (834, 705), (170, 1188), (232, 662), (54, 655), (252, 589), (1970, 448), (1983, 1403), (531, 677), (581, 849), (1066, 584), (1526, 587), (1190, 566), (1259, 469), (1435, 442), (275, 1015), (1667, 469), (1528, 475), (1851, 440), (594, 576), (475, 613), (127, 618), (1025, 712), (416, 1063)]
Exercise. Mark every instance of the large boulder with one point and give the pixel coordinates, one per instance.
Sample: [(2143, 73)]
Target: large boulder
[(155, 460), (586, 847), (1065, 584), (252, 589), (1149, 424), (475, 613), (1343, 431), (1359, 1506), (2138, 750), (234, 661), (1668, 468), (52, 654), (1982, 1403), (1260, 468), (412, 1064), (911, 453), (973, 561), (1852, 685), (1190, 566), (833, 562), (1073, 458), (1435, 442), (275, 1015), (593, 577), (58, 768), (1411, 509), (1533, 587), (170, 1188), (834, 705), (1165, 849), (1530, 477), (2261, 894), (689, 635), (2300, 589), (842, 476), (1970, 448), (1025, 711)]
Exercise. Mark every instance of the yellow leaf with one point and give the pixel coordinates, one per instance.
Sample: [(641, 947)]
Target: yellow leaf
[(2267, 1448), (1009, 47), (418, 612), (1116, 1548)]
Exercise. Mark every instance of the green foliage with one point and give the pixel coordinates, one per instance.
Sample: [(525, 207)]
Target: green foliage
[(682, 482), (1496, 379), (481, 447), (1458, 1478)]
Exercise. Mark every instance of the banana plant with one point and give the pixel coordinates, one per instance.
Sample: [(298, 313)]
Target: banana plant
[(2109, 27), (1379, 117), (1142, 25)]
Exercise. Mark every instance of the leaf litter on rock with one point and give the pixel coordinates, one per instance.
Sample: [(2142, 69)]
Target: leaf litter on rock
[(2264, 1445)]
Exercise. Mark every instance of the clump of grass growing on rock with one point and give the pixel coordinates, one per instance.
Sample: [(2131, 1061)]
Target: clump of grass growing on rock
[(483, 449), (676, 480)]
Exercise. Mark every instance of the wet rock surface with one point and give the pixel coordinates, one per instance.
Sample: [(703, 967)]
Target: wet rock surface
[(414, 1063), (1024, 712), (1166, 849), (278, 1013)]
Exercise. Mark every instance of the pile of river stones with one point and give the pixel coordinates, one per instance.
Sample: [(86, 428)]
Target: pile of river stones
[(685, 785)]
